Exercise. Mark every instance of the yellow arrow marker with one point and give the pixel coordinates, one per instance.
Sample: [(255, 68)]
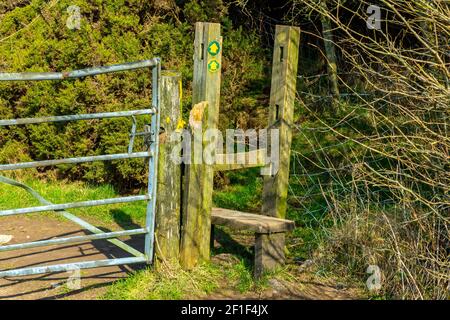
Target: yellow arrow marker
[(213, 66), (214, 48)]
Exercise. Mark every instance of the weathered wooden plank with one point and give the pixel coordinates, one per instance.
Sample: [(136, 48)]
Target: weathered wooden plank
[(253, 222), (207, 81), (197, 198), (254, 158), (168, 202), (282, 97), (196, 232)]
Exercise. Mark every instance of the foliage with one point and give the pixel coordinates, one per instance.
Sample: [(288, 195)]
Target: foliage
[(374, 173), (111, 32), (241, 190)]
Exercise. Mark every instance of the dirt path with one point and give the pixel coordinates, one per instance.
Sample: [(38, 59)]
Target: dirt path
[(54, 286)]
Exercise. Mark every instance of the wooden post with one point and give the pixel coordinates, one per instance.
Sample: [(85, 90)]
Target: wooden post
[(281, 114), (269, 252), (197, 203), (207, 68), (168, 202), (197, 197), (269, 249)]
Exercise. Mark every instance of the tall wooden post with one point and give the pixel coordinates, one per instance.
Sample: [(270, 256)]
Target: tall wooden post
[(197, 195), (168, 202), (198, 184), (281, 113), (208, 68)]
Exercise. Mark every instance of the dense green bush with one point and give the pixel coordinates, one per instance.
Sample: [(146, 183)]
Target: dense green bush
[(34, 37)]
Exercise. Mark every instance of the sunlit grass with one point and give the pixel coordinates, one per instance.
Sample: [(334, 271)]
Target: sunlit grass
[(59, 192), (167, 283)]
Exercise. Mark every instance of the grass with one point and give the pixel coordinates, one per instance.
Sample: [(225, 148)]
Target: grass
[(170, 282), (243, 193), (242, 278), (125, 215), (166, 283)]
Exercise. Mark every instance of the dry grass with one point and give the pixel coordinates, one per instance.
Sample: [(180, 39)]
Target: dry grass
[(387, 189)]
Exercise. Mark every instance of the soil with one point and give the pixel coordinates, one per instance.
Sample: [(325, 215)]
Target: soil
[(94, 282), (54, 286)]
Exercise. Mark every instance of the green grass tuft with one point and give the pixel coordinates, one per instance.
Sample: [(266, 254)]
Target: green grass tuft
[(168, 283)]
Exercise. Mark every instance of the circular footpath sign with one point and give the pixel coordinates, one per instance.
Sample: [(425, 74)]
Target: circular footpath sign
[(214, 48), (213, 66)]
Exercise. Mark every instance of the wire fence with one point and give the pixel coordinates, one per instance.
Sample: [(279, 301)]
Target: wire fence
[(323, 164)]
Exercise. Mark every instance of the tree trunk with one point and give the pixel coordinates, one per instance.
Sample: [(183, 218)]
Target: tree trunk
[(330, 52)]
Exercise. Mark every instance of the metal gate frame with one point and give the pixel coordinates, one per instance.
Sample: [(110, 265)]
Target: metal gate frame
[(152, 143)]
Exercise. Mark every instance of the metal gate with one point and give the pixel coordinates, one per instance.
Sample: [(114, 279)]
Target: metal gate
[(150, 135)]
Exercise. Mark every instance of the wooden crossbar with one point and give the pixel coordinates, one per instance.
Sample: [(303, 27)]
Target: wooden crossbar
[(251, 159)]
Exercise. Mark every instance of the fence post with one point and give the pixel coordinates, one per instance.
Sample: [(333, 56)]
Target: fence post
[(197, 204), (168, 202), (281, 114), (197, 195), (208, 68)]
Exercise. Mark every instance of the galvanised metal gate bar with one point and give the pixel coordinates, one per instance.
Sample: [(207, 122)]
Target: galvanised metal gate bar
[(152, 141)]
